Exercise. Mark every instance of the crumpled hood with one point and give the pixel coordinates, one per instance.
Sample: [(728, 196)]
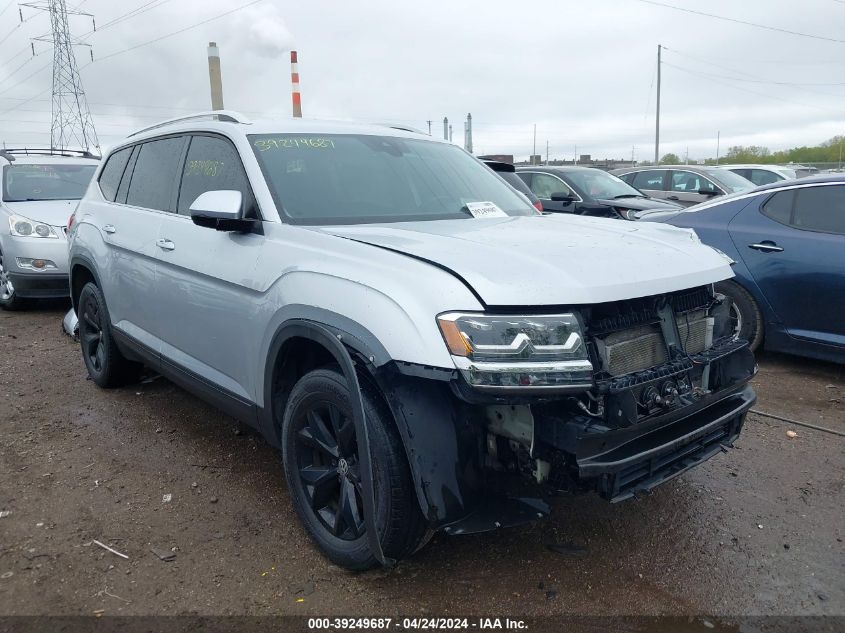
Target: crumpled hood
[(53, 212), (553, 259)]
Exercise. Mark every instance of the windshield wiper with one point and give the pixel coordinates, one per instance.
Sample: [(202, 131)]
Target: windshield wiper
[(629, 195)]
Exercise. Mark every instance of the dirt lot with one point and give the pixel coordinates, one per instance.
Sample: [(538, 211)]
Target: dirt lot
[(758, 530)]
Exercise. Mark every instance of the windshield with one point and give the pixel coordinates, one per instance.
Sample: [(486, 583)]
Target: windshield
[(22, 183), (733, 182), (599, 184), (356, 178)]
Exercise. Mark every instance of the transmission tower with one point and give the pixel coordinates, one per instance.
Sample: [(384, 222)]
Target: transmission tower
[(72, 125)]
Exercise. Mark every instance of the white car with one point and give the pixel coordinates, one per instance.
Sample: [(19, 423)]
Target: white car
[(763, 174), (40, 189), (403, 324)]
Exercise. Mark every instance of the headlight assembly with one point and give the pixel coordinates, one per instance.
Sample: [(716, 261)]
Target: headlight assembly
[(528, 353), (24, 227)]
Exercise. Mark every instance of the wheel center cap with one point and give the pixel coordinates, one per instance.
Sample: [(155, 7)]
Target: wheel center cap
[(342, 467)]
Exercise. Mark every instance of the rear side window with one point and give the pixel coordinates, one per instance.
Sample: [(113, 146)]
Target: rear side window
[(113, 172), (820, 209), (213, 164), (651, 179), (779, 206), (544, 185), (691, 182), (762, 176), (155, 174)]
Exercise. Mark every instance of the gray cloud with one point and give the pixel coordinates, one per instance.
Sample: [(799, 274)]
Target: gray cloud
[(582, 71)]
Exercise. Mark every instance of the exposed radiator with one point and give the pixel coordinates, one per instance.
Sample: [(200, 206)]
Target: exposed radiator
[(643, 347)]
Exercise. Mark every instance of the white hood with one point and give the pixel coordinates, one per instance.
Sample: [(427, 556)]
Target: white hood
[(553, 259), (53, 212)]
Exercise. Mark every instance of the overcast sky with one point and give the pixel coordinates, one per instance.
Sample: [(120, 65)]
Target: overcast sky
[(583, 72)]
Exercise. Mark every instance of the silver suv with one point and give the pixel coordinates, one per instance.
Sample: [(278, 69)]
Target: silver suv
[(39, 191), (427, 350)]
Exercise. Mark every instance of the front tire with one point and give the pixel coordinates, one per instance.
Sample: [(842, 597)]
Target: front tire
[(106, 365), (9, 300), (746, 318), (321, 463)]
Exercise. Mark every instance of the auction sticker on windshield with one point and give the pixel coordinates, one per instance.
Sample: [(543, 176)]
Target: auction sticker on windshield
[(485, 210)]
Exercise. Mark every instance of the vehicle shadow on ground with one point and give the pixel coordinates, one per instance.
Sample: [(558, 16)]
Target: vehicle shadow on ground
[(586, 541)]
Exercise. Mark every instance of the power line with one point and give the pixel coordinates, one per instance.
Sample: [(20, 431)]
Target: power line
[(187, 28), (752, 78), (10, 3), (32, 74), (754, 92), (744, 22), (127, 16)]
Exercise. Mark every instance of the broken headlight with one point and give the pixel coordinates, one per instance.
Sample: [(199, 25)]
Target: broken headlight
[(506, 352)]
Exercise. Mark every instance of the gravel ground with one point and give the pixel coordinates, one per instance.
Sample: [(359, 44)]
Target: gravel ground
[(758, 530)]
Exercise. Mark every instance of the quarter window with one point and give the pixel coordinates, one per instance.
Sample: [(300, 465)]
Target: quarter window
[(212, 164), (113, 172), (779, 207), (544, 185), (155, 174), (649, 179)]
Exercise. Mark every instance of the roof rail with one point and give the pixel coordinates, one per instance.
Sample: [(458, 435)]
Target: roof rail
[(229, 116), (9, 152)]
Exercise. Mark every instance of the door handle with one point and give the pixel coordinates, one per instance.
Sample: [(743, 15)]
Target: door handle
[(109, 228), (165, 244), (672, 198), (767, 247)]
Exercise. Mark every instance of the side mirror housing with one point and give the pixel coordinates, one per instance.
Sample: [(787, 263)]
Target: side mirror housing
[(221, 210), (560, 196), (708, 192)]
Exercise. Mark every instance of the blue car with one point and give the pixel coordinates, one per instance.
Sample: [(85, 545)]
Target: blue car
[(788, 241)]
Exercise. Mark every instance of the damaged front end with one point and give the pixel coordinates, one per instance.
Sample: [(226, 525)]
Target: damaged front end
[(614, 398)]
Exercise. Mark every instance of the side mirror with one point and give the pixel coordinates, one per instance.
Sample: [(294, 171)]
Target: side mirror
[(560, 196), (221, 210), (708, 192)]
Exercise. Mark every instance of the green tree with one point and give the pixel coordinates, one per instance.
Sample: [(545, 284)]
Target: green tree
[(670, 159)]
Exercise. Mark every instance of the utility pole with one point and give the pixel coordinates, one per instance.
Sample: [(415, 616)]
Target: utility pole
[(296, 95), (534, 152), (446, 135), (214, 76), (632, 154), (450, 132), (429, 127), (575, 160), (718, 134), (469, 134), (686, 160), (657, 116), (71, 119), (547, 152)]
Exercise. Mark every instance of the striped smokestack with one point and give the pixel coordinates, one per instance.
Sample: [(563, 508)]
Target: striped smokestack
[(294, 80)]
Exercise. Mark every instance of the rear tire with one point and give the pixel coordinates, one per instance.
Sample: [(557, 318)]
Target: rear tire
[(320, 454), (9, 300), (745, 313), (106, 365)]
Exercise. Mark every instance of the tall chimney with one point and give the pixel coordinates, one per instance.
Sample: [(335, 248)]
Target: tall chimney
[(445, 128), (215, 77), (294, 80)]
